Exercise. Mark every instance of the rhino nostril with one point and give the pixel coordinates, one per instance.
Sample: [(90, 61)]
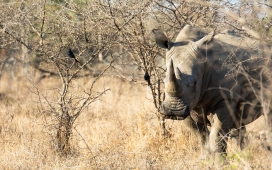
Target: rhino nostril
[(182, 112), (187, 111)]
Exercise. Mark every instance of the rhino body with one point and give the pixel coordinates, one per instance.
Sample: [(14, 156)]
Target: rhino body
[(215, 80)]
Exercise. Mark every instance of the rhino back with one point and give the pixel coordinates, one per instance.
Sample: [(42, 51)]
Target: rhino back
[(190, 33)]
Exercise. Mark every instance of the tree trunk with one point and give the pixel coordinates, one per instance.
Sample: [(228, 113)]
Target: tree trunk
[(100, 56), (63, 134)]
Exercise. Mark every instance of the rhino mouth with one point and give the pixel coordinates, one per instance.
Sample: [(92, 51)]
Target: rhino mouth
[(174, 113)]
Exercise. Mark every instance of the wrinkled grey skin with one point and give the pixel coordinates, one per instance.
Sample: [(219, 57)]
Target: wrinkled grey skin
[(207, 84)]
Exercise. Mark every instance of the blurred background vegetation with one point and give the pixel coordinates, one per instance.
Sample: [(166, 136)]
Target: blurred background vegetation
[(113, 41)]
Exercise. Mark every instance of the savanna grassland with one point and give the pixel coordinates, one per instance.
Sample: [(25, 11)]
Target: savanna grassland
[(119, 131)]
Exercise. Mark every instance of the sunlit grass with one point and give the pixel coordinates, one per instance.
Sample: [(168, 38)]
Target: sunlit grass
[(119, 131)]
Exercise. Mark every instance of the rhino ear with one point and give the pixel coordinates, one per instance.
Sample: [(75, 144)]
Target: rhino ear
[(205, 40), (161, 39)]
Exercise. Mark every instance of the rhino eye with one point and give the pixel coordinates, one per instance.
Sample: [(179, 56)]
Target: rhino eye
[(191, 83)]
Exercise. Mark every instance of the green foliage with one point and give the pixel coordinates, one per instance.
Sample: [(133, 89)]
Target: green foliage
[(57, 1)]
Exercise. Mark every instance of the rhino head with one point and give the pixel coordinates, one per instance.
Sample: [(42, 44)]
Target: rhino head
[(185, 62)]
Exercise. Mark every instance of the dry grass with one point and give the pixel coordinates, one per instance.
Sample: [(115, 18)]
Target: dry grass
[(120, 131)]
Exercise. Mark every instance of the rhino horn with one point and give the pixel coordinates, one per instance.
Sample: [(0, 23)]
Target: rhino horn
[(205, 40), (173, 88)]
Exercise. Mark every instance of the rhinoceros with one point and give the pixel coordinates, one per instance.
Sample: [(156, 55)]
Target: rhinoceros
[(216, 81)]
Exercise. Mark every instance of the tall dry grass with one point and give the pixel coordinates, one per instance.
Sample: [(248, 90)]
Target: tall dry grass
[(120, 131)]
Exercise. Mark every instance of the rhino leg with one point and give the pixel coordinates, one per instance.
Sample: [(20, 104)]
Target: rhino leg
[(198, 129), (238, 135), (222, 122), (268, 120)]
